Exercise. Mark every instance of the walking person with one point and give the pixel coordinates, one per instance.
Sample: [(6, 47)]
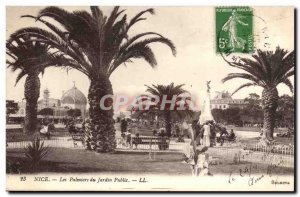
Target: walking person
[(137, 140), (45, 129), (128, 139), (206, 134), (124, 125), (184, 129), (162, 145), (177, 130), (123, 139), (231, 136)]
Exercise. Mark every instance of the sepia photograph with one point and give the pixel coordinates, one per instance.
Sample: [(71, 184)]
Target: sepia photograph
[(150, 98)]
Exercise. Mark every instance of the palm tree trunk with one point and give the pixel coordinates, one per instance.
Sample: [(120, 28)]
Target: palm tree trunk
[(31, 93), (167, 115), (103, 131), (270, 103)]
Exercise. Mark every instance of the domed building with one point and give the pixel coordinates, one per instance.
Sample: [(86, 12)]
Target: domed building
[(71, 99), (74, 99)]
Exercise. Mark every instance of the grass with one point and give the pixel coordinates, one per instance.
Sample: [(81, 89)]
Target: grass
[(254, 129), (281, 140), (79, 160)]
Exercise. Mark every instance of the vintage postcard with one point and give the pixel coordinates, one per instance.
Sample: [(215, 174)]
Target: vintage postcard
[(162, 99)]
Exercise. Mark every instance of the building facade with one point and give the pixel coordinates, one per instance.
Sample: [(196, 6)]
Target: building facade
[(71, 99), (223, 100)]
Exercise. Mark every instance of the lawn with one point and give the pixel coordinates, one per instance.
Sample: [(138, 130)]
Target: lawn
[(79, 160), (254, 129), (280, 140)]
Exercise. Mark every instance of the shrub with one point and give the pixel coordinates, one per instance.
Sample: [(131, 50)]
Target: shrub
[(12, 167), (36, 151)]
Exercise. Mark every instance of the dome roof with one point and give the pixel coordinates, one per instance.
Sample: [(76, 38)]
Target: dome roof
[(74, 96)]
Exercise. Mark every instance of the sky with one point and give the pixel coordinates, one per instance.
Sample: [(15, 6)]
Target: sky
[(192, 29)]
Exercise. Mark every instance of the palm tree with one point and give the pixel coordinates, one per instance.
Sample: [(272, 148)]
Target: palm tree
[(96, 45), (267, 69), (169, 91), (31, 58)]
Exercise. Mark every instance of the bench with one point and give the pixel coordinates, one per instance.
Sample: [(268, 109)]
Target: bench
[(162, 143), (77, 138), (151, 145), (225, 139)]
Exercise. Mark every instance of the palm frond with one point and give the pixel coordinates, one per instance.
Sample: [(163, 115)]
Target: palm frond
[(243, 76), (169, 90), (288, 83), (290, 73), (284, 65), (105, 47), (138, 18), (20, 76), (243, 86), (60, 15), (137, 52), (163, 40), (152, 90), (268, 68), (136, 37)]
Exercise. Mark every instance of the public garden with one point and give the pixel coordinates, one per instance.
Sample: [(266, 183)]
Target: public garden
[(65, 156), (155, 140)]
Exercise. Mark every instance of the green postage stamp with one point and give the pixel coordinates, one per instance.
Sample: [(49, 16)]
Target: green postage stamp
[(234, 29)]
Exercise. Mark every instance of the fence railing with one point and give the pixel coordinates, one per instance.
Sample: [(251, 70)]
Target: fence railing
[(256, 153), (275, 148), (270, 155), (58, 142), (143, 143)]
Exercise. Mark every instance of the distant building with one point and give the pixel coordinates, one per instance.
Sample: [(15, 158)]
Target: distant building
[(71, 99), (223, 100), (48, 102), (74, 99)]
